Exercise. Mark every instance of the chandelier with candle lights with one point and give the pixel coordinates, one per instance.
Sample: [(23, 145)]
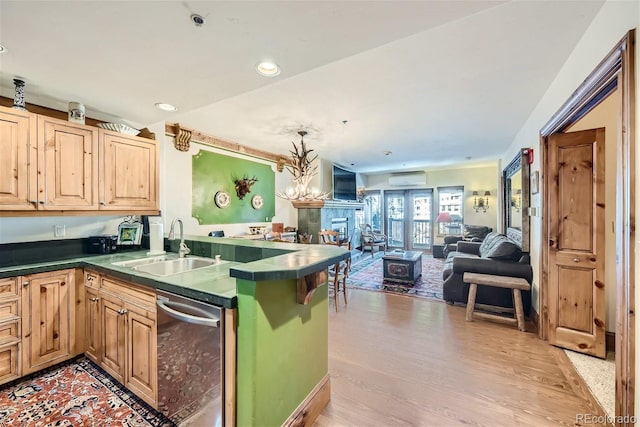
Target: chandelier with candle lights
[(303, 170)]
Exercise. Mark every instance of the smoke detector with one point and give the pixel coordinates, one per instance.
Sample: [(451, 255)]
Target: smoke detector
[(198, 20)]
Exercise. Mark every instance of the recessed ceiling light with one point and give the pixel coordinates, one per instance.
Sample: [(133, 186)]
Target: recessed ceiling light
[(3, 49), (268, 69), (166, 107)]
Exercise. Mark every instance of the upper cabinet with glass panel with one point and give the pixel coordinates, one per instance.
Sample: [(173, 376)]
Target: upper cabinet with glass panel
[(515, 206)]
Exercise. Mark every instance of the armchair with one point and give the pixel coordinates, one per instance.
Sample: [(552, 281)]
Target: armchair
[(371, 239), (472, 233)]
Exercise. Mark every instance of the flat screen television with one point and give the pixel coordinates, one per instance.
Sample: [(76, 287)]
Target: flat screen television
[(344, 184)]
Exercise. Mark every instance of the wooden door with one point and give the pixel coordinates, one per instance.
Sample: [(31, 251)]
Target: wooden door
[(47, 308), (68, 165), (92, 324), (576, 241), (113, 336), (18, 160), (142, 354), (129, 168)]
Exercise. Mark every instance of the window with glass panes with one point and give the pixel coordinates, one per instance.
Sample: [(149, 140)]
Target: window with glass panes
[(451, 200)]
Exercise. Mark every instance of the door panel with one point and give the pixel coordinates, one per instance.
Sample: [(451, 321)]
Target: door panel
[(68, 165), (47, 304), (17, 160), (129, 175), (142, 355), (112, 330), (408, 219), (92, 324), (394, 215), (421, 222), (576, 244)]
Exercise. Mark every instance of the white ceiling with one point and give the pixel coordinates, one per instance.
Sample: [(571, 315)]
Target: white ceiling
[(434, 82)]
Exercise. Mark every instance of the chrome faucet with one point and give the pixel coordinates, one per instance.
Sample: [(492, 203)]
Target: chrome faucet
[(183, 250)]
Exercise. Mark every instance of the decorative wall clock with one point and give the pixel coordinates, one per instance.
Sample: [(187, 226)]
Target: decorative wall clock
[(222, 199), (257, 201)]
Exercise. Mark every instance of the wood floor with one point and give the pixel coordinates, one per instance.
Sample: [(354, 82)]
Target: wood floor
[(402, 361)]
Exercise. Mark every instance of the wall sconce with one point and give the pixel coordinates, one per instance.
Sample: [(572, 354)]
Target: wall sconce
[(516, 200), (481, 203)]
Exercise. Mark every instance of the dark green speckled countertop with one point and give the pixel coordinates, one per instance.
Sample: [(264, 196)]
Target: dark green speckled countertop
[(253, 260)]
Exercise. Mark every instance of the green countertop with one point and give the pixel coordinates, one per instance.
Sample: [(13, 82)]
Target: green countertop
[(215, 284)]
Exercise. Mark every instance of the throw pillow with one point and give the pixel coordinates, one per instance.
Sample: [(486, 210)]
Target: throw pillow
[(503, 248)]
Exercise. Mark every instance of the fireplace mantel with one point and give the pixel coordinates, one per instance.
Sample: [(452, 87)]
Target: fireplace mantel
[(343, 204)]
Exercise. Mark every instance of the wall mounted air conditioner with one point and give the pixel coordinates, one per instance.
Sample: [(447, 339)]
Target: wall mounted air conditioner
[(407, 179)]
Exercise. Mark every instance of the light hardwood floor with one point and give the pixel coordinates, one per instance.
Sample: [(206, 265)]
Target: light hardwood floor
[(402, 361)]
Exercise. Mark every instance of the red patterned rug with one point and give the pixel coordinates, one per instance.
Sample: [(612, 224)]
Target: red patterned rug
[(76, 393), (367, 274)]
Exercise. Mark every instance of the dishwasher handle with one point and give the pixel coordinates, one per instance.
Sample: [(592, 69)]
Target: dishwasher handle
[(206, 320)]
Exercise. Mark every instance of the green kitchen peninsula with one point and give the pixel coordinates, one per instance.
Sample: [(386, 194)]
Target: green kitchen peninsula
[(281, 343)]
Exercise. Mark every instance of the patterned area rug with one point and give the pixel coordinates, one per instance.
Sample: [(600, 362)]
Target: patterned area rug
[(76, 393), (367, 274)]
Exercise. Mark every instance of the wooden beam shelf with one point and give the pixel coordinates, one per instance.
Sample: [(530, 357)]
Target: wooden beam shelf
[(184, 136)]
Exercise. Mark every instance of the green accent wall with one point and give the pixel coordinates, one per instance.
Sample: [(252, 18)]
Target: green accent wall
[(282, 350), (213, 172)]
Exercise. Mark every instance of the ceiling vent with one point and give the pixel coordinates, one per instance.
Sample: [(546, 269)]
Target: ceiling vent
[(407, 179)]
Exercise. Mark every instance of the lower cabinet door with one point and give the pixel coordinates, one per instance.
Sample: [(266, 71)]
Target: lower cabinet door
[(113, 342), (9, 362), (141, 355), (92, 324), (46, 312)]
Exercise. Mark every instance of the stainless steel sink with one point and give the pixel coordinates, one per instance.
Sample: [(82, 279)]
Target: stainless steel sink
[(143, 261), (167, 265)]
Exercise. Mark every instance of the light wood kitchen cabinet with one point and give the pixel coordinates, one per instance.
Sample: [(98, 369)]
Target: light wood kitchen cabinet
[(130, 172), (92, 324), (113, 336), (48, 319), (128, 336), (10, 338), (18, 152), (67, 165), (48, 164)]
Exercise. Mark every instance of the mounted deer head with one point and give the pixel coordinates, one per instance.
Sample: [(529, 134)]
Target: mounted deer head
[(243, 186)]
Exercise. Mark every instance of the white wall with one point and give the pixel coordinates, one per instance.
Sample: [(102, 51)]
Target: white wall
[(480, 178)]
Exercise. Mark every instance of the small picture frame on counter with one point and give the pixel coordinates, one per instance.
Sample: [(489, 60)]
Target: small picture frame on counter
[(129, 234)]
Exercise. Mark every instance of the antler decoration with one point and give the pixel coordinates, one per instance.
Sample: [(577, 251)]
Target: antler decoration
[(243, 186), (303, 170)]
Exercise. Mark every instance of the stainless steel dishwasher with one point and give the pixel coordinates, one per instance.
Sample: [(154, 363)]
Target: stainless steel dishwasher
[(190, 355)]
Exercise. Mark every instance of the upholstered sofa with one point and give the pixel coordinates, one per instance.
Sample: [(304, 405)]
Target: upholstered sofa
[(497, 255)]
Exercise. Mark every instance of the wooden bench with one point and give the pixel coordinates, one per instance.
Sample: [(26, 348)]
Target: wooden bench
[(517, 284)]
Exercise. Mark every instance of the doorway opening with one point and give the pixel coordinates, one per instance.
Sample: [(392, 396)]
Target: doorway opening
[(615, 72), (408, 219)]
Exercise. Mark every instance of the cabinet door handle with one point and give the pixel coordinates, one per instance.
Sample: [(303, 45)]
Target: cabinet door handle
[(576, 260), (42, 202), (94, 299), (25, 284), (103, 203), (122, 311)]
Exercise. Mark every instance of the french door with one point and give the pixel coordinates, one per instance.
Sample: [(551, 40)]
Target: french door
[(408, 219)]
